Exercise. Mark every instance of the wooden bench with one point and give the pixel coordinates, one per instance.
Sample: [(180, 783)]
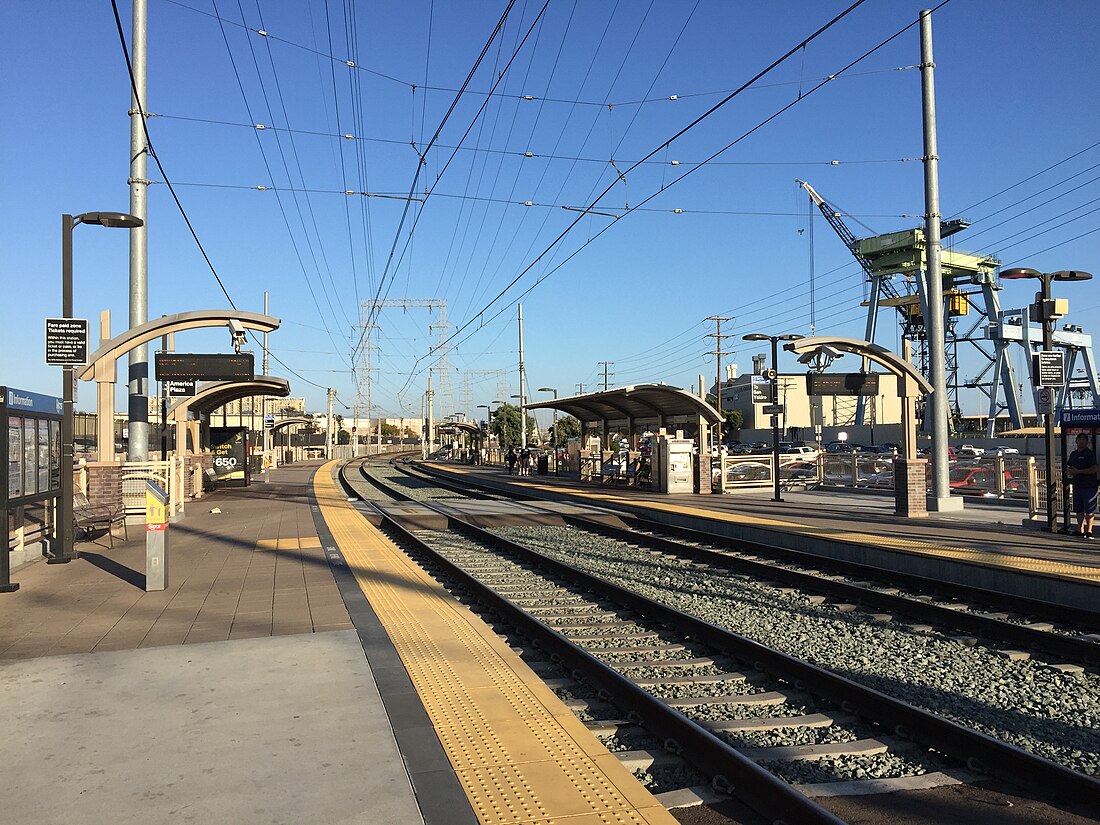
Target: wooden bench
[(88, 517)]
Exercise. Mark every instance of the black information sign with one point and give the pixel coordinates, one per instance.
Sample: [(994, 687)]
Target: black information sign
[(66, 341), (179, 389), (842, 383), (184, 366), (761, 390), (1049, 368)]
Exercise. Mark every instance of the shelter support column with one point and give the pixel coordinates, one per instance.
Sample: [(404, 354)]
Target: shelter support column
[(105, 376)]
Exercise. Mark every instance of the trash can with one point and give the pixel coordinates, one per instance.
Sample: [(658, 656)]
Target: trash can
[(543, 465)]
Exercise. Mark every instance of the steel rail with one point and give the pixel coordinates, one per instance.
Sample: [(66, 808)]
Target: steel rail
[(1005, 601), (733, 773), (978, 751), (1074, 648)]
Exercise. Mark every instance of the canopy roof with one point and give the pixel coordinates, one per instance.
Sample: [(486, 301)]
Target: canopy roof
[(642, 402), (209, 397), (459, 426)]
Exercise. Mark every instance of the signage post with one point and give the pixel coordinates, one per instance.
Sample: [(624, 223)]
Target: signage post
[(156, 537)]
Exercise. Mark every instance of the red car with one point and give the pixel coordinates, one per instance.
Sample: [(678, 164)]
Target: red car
[(983, 479)]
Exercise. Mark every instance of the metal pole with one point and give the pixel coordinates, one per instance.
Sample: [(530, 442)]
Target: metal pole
[(941, 491), (431, 413), (267, 432), (64, 528), (775, 418), (328, 425), (1048, 419), (138, 359), (522, 388)]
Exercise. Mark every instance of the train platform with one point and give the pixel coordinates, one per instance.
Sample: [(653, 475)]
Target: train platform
[(299, 667), (984, 545)]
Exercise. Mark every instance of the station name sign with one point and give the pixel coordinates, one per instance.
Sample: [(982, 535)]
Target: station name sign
[(842, 383), (183, 366)]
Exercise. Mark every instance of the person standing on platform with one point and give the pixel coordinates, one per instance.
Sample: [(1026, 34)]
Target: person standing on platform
[(525, 462), (510, 460), (1081, 469)]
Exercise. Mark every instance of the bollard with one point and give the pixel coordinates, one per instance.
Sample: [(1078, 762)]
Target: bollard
[(156, 537)]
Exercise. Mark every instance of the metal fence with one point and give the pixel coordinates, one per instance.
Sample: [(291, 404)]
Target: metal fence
[(166, 474)]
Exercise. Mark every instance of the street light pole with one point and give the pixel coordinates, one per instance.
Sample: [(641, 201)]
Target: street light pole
[(64, 527), (774, 339), (1048, 313)]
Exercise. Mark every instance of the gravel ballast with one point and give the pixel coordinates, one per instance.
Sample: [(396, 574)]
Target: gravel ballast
[(1052, 714)]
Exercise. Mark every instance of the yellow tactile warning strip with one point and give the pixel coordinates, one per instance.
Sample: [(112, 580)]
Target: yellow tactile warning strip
[(519, 753), (1047, 567)]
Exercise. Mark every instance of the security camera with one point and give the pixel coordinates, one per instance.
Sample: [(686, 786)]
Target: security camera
[(821, 357), (237, 334)]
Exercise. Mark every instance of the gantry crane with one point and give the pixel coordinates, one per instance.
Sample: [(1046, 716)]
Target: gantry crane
[(902, 253)]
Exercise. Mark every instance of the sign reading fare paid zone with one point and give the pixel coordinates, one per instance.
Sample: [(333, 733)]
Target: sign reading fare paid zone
[(66, 341)]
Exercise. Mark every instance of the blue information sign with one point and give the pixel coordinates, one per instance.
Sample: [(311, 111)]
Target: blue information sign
[(16, 400), (1081, 418)]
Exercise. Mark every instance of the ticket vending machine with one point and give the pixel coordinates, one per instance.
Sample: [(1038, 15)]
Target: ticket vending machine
[(673, 465)]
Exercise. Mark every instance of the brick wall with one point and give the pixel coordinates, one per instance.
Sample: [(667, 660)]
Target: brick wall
[(911, 487), (105, 483)]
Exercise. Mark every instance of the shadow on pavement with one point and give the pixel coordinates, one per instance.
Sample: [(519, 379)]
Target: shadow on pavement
[(117, 570)]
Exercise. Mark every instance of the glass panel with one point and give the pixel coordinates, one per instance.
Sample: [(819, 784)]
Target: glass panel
[(55, 455), (15, 456), (30, 457), (43, 455)]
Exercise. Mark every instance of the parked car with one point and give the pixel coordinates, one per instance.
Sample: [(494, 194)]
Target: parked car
[(983, 479), (843, 447), (880, 449), (798, 470), (970, 451), (806, 453)]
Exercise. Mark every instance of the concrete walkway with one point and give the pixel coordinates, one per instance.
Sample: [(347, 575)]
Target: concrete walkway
[(239, 695)]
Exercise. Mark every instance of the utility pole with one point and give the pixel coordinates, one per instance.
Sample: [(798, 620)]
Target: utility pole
[(138, 358), (941, 491), (328, 425), (718, 353), (605, 365), (431, 416), (522, 388), (267, 432)]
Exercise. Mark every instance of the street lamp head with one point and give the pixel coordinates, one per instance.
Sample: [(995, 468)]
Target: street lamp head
[(1071, 275), (789, 336), (756, 336), (547, 389), (110, 219), (1020, 272)]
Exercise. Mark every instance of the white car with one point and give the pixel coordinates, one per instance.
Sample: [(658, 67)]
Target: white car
[(969, 451)]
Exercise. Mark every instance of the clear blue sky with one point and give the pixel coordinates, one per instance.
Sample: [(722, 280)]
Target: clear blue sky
[(1017, 85)]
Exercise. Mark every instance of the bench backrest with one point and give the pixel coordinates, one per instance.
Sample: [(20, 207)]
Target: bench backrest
[(80, 501)]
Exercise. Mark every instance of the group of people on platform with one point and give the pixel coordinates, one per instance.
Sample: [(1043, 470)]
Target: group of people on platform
[(518, 463)]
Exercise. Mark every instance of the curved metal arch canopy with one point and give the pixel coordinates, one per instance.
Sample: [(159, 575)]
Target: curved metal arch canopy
[(209, 397), (912, 383), (101, 364), (290, 422)]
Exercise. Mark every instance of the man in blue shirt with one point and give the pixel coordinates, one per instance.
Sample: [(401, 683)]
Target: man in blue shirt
[(1081, 469)]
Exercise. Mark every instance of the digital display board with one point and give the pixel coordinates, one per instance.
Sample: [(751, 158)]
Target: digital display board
[(842, 383), (184, 366)]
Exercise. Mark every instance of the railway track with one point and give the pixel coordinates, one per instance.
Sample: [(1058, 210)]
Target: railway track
[(756, 721), (1064, 637)]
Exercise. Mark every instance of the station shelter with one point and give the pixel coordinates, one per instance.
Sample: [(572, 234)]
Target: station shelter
[(468, 440), (224, 455), (640, 433)]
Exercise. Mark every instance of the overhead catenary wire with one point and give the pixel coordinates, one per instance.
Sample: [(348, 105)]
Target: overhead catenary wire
[(754, 129)]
